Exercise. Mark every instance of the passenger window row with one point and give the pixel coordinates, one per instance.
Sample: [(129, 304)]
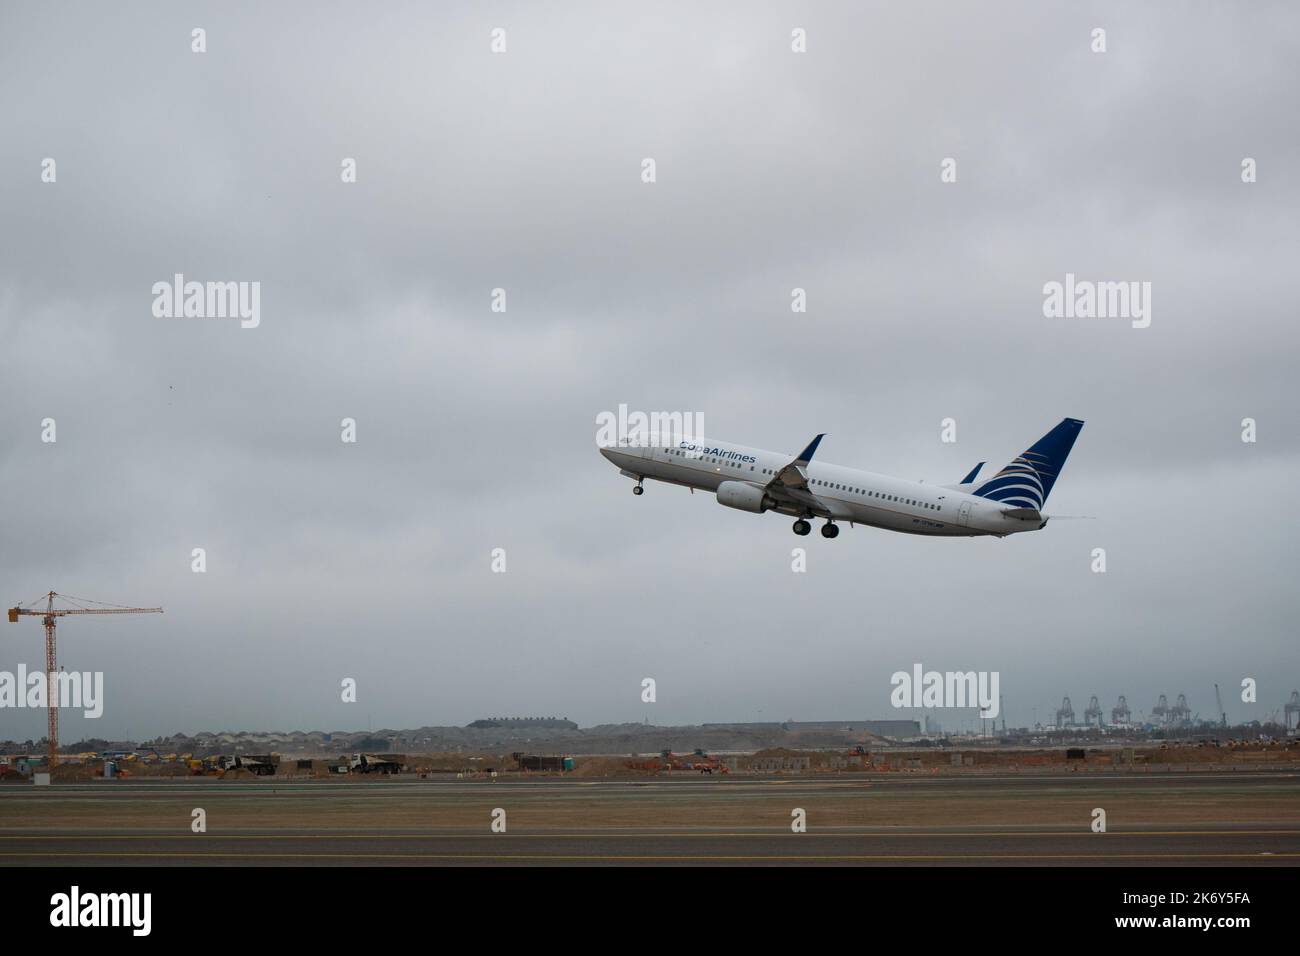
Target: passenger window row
[(738, 465)]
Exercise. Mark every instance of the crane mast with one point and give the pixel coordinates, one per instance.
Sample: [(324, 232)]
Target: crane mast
[(49, 615)]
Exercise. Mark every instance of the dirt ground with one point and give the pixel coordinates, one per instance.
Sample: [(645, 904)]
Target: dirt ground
[(687, 801)]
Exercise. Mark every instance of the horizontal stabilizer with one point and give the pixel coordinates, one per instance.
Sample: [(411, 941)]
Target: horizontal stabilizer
[(968, 480), (1024, 514)]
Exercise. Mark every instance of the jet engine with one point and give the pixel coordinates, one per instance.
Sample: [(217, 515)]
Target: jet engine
[(744, 496)]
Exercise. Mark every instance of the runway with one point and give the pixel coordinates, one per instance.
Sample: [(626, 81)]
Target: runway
[(1195, 819)]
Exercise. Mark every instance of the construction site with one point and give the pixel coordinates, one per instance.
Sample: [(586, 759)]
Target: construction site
[(1173, 789), (1171, 736), (886, 803)]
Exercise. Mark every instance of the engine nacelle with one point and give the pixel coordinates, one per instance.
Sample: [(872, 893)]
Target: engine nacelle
[(746, 497)]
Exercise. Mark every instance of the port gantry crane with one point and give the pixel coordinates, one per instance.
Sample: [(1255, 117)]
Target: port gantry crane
[(49, 614)]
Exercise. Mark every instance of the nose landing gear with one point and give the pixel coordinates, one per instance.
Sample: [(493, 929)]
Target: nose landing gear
[(637, 489)]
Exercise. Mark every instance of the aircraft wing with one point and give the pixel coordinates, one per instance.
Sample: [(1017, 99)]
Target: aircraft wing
[(790, 484), (794, 476)]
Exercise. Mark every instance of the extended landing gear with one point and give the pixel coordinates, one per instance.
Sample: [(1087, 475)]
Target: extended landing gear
[(830, 530), (802, 527), (637, 489)]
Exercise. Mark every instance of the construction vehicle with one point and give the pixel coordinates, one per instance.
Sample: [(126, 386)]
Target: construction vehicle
[(859, 756), (706, 764), (667, 760), (263, 765), (375, 763), (208, 766), (542, 762)]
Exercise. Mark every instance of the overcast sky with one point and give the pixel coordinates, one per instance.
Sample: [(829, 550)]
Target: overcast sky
[(476, 430)]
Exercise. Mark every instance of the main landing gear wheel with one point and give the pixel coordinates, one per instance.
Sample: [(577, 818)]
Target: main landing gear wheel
[(830, 530), (802, 527)]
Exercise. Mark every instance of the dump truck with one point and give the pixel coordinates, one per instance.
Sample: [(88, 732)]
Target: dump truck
[(376, 763), (261, 764), (541, 762)]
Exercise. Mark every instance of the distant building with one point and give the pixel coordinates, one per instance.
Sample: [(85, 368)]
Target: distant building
[(764, 727), (524, 723), (880, 728)]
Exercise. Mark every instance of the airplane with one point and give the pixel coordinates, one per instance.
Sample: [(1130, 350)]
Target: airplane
[(758, 481)]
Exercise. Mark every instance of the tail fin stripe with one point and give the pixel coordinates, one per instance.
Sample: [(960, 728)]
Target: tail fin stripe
[(1028, 478)]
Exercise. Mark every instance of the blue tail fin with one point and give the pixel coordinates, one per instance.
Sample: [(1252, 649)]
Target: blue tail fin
[(1027, 481)]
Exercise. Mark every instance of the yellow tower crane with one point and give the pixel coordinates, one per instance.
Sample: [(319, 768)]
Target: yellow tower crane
[(49, 614)]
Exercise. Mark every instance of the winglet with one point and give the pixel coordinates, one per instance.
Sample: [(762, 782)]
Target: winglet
[(973, 472), (806, 455)]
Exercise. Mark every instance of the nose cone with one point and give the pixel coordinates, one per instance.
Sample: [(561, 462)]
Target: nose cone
[(612, 449)]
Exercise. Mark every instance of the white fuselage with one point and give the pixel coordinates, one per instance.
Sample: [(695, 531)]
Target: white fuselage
[(857, 497)]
